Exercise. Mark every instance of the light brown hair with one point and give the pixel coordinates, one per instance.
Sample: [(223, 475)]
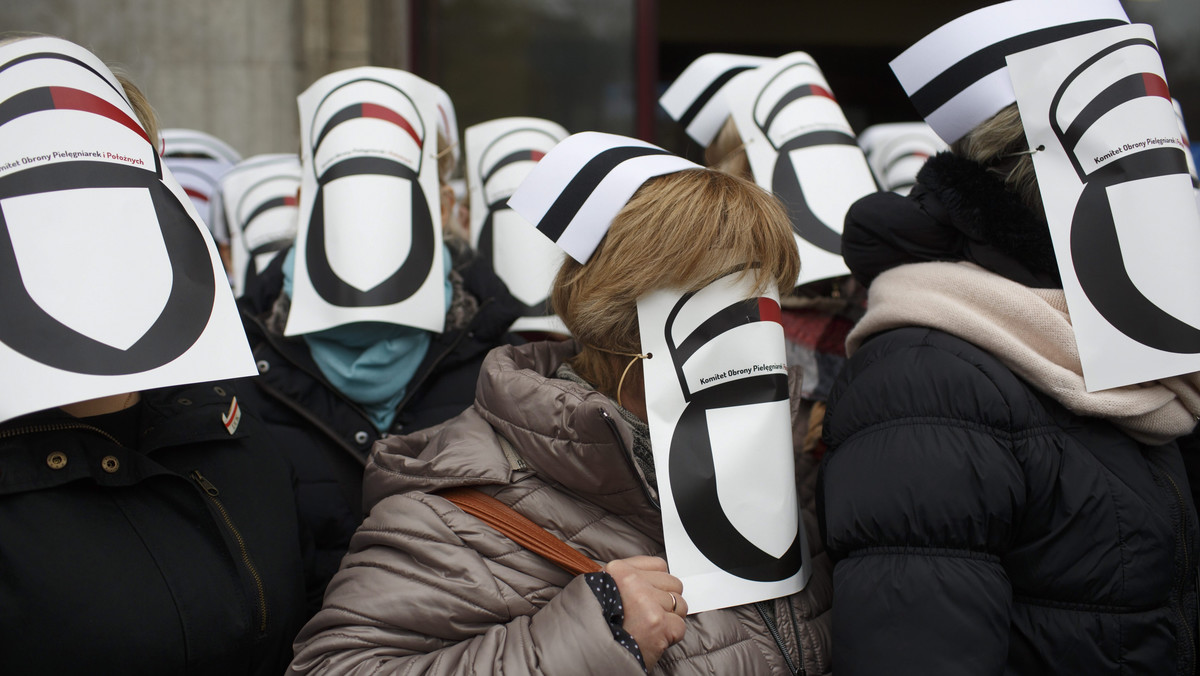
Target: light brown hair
[(680, 231), (999, 145), (727, 152)]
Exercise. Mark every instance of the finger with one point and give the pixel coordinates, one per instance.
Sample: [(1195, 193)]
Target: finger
[(681, 609), (675, 627), (663, 581)]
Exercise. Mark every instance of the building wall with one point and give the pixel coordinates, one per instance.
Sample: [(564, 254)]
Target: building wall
[(232, 68)]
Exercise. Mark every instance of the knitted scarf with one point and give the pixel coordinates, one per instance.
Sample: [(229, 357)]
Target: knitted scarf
[(1030, 332)]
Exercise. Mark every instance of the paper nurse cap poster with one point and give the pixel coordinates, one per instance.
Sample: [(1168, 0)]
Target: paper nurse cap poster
[(261, 196), (697, 99), (575, 191), (369, 244), (721, 429), (802, 149), (198, 161), (112, 284), (956, 76), (500, 154), (1112, 171), (896, 152)]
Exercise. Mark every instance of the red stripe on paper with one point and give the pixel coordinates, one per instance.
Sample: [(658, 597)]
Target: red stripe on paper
[(821, 91), (387, 114), (768, 311), (66, 98), (196, 194), (1155, 86)]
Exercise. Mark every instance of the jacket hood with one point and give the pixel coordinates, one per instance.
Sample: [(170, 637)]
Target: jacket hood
[(565, 433), (958, 211)]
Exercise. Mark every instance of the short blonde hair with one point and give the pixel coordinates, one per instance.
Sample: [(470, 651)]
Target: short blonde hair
[(680, 231), (727, 152), (999, 145)]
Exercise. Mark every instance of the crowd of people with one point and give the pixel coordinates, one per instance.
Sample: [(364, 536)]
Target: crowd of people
[(287, 414)]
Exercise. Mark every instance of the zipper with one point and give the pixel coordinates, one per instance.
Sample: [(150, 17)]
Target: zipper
[(761, 607), (1187, 564), (56, 427), (213, 495), (628, 454)]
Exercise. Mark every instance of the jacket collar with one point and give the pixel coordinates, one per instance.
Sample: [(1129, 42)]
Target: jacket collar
[(561, 431)]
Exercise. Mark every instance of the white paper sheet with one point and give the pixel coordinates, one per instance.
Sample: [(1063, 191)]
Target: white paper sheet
[(573, 193), (955, 75), (261, 197), (113, 283), (201, 180), (897, 151), (500, 154), (801, 148), (697, 99), (369, 245), (721, 429), (1118, 198)]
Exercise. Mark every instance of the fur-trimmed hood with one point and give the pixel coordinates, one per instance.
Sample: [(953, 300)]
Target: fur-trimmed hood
[(958, 211)]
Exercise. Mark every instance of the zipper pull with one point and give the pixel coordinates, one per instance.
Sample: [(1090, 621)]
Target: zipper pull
[(205, 483)]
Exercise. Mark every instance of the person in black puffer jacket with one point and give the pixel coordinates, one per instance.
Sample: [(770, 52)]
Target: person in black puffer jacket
[(986, 513), (326, 434)]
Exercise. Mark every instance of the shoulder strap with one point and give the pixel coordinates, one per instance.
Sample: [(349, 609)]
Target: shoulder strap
[(520, 529)]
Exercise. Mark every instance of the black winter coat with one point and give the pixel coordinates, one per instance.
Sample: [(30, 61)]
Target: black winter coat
[(327, 436), (981, 528), (180, 556)]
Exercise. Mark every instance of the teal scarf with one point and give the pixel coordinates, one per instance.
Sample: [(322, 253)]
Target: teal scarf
[(369, 362)]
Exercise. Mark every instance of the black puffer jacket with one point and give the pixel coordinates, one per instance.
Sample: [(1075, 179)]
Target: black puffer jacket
[(978, 526), (326, 435), (177, 554)]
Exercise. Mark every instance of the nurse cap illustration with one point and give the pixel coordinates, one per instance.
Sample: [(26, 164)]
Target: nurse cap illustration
[(198, 161), (576, 190), (1116, 95), (696, 99), (366, 124), (261, 203), (83, 179), (956, 76), (500, 154), (796, 113), (694, 327), (896, 152)]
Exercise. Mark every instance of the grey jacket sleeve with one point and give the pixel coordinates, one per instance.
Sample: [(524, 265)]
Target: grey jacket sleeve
[(425, 589)]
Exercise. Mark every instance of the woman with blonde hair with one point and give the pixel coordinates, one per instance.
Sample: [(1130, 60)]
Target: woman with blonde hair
[(558, 433)]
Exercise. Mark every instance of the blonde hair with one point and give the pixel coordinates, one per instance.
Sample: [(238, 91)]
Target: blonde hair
[(999, 145), (727, 152), (680, 231), (141, 106)]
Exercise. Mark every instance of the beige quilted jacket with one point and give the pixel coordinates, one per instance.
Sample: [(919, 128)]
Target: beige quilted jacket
[(428, 589)]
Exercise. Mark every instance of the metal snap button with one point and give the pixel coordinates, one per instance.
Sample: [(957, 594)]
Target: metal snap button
[(219, 390), (110, 464), (263, 366), (361, 437), (57, 460)]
